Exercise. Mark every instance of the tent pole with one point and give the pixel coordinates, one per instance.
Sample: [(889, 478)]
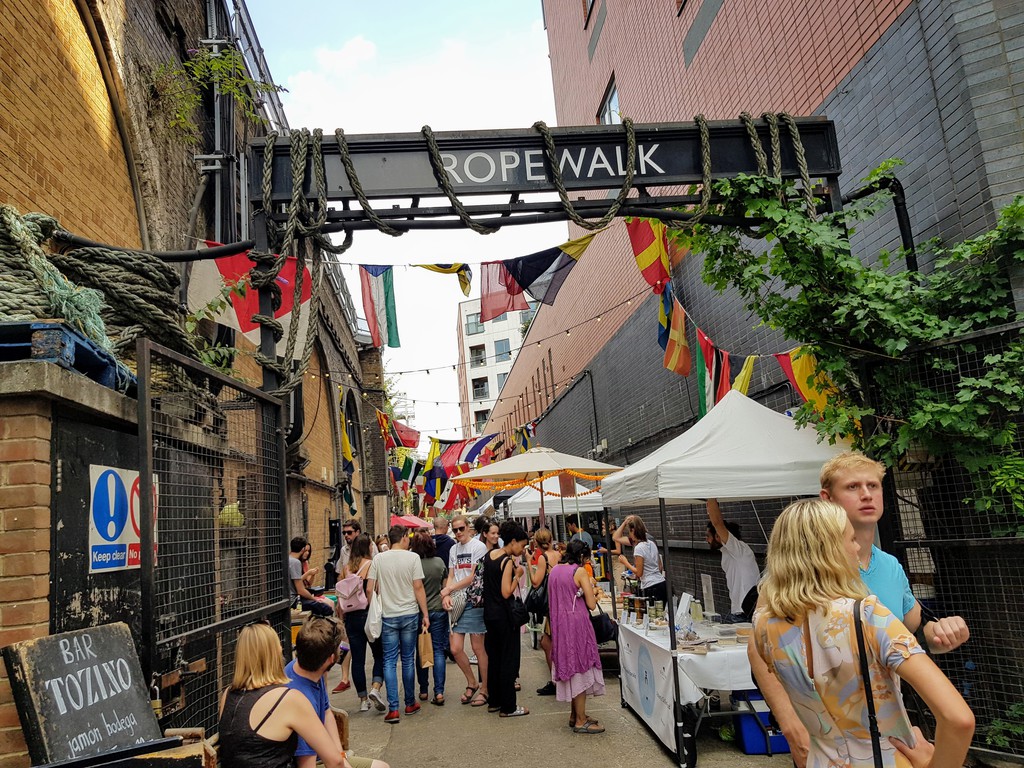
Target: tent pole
[(542, 520), (611, 565), (682, 738)]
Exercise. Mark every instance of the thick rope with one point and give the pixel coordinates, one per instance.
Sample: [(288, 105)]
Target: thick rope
[(357, 187), (801, 164), (444, 181), (556, 176), (33, 288), (755, 143), (772, 120)]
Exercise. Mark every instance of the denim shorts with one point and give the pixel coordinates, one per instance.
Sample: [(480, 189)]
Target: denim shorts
[(471, 622)]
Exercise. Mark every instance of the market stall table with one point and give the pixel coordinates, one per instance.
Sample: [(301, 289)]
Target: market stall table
[(648, 688)]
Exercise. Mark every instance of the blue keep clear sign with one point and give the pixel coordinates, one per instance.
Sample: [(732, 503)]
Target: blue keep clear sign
[(114, 514)]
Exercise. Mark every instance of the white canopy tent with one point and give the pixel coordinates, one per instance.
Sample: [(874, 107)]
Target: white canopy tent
[(739, 451), (526, 503)]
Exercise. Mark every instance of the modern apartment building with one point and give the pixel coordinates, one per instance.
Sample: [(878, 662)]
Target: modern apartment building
[(486, 354)]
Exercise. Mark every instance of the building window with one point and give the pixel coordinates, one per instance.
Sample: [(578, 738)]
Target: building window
[(473, 324), (501, 380), (477, 356), (480, 388), (502, 351), (609, 114), (500, 318), (480, 420)]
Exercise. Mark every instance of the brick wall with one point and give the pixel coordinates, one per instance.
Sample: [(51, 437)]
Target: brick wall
[(60, 151), (24, 546)]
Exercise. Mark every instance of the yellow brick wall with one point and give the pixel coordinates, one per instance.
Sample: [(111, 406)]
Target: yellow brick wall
[(60, 151)]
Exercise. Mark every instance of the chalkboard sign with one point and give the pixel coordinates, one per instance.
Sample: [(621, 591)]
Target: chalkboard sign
[(80, 693)]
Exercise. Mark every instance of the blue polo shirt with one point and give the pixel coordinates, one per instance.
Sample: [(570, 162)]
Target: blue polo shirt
[(317, 695), (885, 578)]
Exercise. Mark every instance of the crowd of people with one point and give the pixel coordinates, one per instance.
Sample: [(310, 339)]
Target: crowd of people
[(836, 625)]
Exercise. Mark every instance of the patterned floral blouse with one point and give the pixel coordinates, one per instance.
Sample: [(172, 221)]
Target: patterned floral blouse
[(817, 663)]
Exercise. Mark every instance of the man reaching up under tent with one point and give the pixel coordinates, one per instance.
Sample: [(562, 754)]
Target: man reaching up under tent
[(741, 573)]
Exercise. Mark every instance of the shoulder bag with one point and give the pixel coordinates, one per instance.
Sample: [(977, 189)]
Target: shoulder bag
[(537, 599), (865, 673), (375, 617), (605, 628), (475, 590), (516, 608)]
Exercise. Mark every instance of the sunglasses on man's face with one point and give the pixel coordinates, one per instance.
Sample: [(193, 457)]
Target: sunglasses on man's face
[(348, 533), (458, 529)]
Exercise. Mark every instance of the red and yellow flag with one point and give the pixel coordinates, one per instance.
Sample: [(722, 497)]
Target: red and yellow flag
[(677, 351), (650, 247), (802, 372)]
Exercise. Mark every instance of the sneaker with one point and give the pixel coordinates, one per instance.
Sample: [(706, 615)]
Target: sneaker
[(548, 689), (472, 660), (364, 705), (412, 709), (391, 717), (377, 699)]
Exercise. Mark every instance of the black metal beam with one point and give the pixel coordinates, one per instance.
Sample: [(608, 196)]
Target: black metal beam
[(513, 161)]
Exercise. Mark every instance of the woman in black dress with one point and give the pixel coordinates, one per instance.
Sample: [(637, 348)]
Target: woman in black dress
[(502, 572)]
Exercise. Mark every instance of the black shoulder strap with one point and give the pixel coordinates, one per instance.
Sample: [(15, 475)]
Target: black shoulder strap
[(865, 673), (271, 710)]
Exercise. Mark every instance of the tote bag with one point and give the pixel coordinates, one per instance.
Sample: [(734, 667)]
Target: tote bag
[(375, 617)]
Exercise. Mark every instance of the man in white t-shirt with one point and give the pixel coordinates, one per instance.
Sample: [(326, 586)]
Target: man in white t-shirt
[(462, 560), (738, 562), (399, 574)]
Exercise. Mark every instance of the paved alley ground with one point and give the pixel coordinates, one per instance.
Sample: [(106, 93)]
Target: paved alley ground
[(457, 735)]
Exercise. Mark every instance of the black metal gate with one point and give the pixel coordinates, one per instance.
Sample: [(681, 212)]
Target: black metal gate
[(211, 457)]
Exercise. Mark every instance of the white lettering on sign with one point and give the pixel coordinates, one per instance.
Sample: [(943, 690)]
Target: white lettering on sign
[(117, 724), (77, 649), (509, 160), (89, 685), (645, 159), (581, 163), (85, 739), (490, 164), (531, 164)]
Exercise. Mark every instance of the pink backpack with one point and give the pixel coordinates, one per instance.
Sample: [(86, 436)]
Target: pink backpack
[(351, 593)]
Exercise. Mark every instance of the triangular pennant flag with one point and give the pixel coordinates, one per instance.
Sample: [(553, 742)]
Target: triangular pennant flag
[(664, 315), (378, 289), (650, 247), (677, 350), (713, 373), (542, 274), (742, 383), (463, 271), (499, 291)]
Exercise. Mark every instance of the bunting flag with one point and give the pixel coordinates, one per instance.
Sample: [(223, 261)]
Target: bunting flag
[(742, 383), (210, 279), (378, 289), (395, 473), (650, 247), (435, 476), (542, 274), (802, 372), (499, 291), (665, 315), (677, 350), (395, 433), (524, 437), (463, 271), (410, 471), (713, 373), (347, 459)]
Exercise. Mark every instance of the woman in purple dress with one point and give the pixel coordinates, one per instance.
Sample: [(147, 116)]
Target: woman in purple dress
[(571, 598)]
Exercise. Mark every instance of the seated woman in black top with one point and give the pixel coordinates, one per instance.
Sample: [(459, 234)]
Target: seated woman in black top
[(260, 717)]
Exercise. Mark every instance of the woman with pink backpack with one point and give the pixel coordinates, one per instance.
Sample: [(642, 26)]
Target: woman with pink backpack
[(353, 603)]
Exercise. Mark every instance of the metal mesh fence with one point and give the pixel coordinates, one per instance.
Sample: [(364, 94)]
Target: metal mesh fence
[(968, 560), (216, 462)]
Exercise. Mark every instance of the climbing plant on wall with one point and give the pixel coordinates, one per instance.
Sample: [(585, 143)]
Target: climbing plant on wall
[(881, 334)]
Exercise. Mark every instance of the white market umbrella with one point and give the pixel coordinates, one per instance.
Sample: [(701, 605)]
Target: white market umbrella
[(535, 464)]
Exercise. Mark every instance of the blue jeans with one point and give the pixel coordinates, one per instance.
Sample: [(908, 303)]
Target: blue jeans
[(439, 641), (399, 634), (358, 642)]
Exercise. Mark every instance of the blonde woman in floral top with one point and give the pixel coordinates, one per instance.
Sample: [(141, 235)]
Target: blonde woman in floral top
[(804, 631)]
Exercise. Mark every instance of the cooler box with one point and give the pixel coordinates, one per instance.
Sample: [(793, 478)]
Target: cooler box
[(750, 736)]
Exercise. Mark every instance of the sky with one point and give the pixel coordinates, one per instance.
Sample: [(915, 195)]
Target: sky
[(393, 67)]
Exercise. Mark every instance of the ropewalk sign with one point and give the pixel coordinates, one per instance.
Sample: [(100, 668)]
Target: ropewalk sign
[(514, 161)]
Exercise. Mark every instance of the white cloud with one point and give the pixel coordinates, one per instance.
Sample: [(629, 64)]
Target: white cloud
[(346, 60)]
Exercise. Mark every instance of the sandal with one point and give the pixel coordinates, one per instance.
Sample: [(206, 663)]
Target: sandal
[(479, 699), (439, 700), (519, 712), (470, 693), (591, 726)]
